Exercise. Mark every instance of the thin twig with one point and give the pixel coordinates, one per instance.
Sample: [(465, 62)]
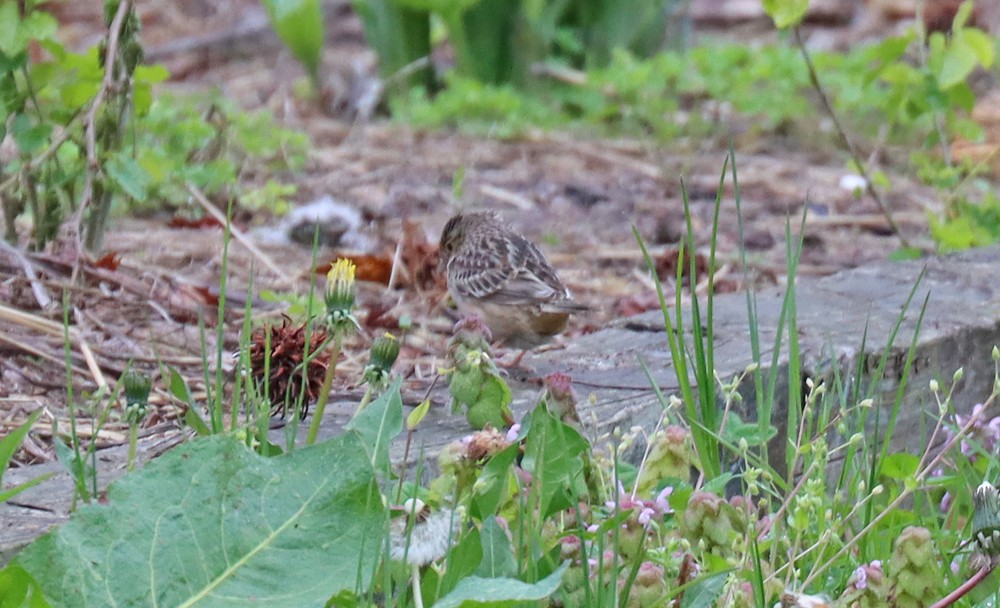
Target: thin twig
[(845, 140), (41, 296), (209, 208)]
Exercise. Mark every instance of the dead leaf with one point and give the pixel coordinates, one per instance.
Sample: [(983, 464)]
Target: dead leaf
[(109, 261)]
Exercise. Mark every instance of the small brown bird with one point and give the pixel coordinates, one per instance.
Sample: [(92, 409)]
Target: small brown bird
[(498, 274)]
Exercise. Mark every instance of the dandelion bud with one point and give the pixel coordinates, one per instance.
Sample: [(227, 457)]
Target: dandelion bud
[(340, 292), (382, 355), (137, 386), (996, 354), (934, 386)]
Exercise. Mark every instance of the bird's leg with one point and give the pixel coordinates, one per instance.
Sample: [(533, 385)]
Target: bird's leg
[(516, 362)]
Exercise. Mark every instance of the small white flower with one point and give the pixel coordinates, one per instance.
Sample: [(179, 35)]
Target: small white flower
[(852, 182)]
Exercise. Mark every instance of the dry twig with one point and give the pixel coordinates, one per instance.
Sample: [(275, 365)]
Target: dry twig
[(845, 140), (90, 123)]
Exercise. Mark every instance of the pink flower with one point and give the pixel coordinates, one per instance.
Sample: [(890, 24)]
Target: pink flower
[(661, 500), (512, 434), (984, 433)]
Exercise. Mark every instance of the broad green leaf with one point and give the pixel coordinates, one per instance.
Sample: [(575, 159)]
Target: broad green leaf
[(980, 43), (19, 590), (900, 465), (554, 454), (959, 59), (490, 490), (705, 591), (29, 137), (75, 94), (212, 523), (151, 74), (500, 592), (718, 484), (378, 424), (463, 560), (299, 24), (128, 175), (737, 430), (962, 15), (786, 13), (16, 32), (498, 559), (415, 417)]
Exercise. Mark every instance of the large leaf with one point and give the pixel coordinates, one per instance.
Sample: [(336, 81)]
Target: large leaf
[(554, 454), (214, 524), (476, 591), (378, 424), (19, 590), (498, 559), (705, 591)]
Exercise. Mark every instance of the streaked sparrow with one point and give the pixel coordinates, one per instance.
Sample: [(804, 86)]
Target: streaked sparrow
[(498, 274)]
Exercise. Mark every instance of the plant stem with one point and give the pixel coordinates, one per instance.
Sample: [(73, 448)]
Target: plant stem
[(324, 391), (418, 599), (364, 400), (828, 107), (133, 440), (965, 587)]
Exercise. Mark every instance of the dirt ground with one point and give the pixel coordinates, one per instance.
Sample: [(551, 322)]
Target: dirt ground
[(578, 197)]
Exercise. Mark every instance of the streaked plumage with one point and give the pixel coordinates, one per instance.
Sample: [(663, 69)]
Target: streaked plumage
[(496, 273)]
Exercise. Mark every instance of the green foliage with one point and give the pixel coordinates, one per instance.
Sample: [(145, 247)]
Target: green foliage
[(400, 35), (587, 33), (555, 454), (147, 149), (496, 41), (299, 24), (500, 592), (261, 529), (968, 224), (786, 13), (180, 143), (8, 445), (19, 590)]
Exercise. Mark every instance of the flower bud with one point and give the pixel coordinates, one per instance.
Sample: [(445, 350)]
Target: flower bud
[(340, 292)]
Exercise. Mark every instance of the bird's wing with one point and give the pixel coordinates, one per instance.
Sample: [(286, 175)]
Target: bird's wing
[(507, 270)]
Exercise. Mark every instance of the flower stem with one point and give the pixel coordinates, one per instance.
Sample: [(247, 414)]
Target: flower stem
[(418, 598), (364, 400), (133, 440), (324, 391)]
